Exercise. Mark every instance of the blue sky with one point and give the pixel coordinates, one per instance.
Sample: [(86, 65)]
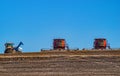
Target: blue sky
[(37, 22)]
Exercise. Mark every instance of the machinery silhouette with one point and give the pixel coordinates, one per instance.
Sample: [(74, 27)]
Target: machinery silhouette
[(59, 45), (101, 43), (9, 48)]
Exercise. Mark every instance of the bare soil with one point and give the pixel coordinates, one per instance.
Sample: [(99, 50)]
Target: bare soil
[(60, 66)]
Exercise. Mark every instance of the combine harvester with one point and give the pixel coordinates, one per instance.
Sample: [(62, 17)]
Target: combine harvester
[(10, 49), (100, 48), (101, 43), (60, 48), (61, 61), (58, 45)]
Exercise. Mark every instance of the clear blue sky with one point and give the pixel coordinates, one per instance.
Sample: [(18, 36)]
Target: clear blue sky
[(37, 22)]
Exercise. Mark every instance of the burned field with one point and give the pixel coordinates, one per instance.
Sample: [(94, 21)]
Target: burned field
[(61, 65)]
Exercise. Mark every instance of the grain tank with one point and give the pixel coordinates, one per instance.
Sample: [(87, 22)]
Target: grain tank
[(59, 44), (100, 43)]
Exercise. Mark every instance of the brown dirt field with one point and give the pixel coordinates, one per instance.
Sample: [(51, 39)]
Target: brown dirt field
[(56, 64)]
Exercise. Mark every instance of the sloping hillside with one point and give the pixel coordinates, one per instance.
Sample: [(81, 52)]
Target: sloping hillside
[(95, 63)]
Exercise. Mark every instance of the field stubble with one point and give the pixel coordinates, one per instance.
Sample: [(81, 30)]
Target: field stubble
[(66, 65)]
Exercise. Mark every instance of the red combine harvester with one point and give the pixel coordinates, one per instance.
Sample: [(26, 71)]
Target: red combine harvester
[(100, 43), (59, 44)]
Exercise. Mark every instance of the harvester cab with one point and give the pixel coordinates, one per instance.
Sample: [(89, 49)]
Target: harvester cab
[(9, 48), (9, 45)]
